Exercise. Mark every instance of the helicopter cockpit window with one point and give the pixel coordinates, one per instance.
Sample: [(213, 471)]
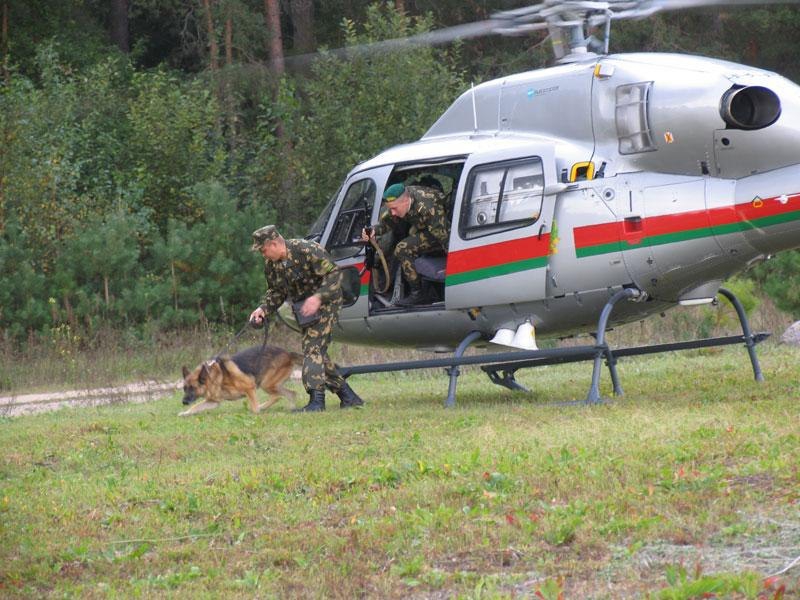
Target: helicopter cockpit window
[(633, 118), (353, 216), (318, 228), (502, 196)]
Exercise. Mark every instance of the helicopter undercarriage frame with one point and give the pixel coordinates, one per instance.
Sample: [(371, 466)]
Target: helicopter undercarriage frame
[(508, 363)]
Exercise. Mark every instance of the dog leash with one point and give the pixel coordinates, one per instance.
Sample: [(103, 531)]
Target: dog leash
[(258, 325), (236, 337), (266, 333)]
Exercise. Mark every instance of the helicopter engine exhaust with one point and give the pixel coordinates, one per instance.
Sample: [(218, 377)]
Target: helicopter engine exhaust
[(750, 107)]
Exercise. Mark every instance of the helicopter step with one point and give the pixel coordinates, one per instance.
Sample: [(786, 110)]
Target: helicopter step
[(510, 362)]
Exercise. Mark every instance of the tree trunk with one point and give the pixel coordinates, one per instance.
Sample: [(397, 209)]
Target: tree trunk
[(174, 284), (229, 40), (120, 32), (303, 24), (4, 40), (273, 15), (213, 49), (70, 313), (230, 104), (105, 288), (400, 5)]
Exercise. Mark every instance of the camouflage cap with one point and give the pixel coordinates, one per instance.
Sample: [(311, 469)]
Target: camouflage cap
[(263, 235), (393, 192)]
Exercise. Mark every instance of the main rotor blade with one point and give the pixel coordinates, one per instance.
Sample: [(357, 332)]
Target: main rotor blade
[(547, 14), (570, 12), (430, 38), (680, 4)]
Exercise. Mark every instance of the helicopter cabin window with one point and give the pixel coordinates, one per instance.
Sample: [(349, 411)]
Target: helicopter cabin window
[(502, 196), (633, 118), (318, 228), (353, 216)]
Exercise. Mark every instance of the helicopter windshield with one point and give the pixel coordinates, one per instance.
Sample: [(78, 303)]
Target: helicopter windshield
[(318, 227)]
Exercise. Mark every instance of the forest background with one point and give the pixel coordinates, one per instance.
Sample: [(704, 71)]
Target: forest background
[(142, 141)]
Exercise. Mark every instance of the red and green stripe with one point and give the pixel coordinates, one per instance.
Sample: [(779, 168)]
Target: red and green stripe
[(365, 276), (603, 238), (495, 260)]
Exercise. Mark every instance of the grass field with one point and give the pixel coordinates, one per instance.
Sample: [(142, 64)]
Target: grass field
[(688, 485)]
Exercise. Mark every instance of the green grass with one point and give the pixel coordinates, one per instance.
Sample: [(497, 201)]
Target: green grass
[(662, 493)]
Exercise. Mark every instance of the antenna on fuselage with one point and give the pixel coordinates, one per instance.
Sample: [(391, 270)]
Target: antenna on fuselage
[(474, 108)]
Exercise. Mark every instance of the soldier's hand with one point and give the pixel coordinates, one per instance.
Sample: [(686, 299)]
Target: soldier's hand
[(365, 237), (311, 305), (257, 317)]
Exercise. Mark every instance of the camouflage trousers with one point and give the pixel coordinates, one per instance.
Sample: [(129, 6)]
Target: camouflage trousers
[(319, 371), (409, 248)]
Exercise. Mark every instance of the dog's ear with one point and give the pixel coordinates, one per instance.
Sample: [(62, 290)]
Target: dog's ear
[(203, 374), (185, 372)]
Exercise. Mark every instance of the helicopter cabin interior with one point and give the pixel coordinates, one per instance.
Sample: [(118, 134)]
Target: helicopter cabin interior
[(498, 197), (356, 211)]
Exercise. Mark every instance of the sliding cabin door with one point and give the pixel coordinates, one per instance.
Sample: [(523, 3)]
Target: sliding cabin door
[(501, 233)]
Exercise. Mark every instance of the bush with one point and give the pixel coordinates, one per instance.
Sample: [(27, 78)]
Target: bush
[(778, 278), (207, 268)]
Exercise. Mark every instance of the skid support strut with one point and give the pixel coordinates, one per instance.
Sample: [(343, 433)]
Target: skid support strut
[(749, 338), (454, 371), (602, 349)]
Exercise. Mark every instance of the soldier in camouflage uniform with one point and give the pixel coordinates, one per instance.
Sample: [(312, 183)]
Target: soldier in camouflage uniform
[(423, 209), (301, 271)]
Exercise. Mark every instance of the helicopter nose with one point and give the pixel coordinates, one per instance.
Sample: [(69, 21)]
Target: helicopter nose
[(750, 107)]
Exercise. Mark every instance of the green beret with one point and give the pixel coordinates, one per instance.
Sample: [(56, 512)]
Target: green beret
[(393, 192), (263, 235)]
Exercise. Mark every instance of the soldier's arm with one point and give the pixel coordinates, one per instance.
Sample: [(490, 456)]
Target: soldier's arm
[(384, 224), (276, 293), (323, 266), (440, 219)]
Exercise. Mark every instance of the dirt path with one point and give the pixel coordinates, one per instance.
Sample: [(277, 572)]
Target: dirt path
[(28, 404)]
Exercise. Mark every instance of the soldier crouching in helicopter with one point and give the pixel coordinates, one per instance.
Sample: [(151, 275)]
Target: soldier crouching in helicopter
[(422, 208), (302, 271)]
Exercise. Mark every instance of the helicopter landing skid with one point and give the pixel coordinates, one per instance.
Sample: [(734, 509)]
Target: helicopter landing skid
[(510, 362)]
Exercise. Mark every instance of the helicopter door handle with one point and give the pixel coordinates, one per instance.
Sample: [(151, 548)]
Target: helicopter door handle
[(541, 229)]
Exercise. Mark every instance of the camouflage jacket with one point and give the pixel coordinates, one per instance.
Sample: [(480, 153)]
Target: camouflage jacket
[(426, 213), (307, 270)]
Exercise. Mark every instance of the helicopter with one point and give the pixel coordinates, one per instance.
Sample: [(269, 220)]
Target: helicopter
[(645, 177)]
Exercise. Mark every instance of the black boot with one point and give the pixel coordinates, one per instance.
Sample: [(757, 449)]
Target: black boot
[(414, 298), (316, 402), (349, 398)]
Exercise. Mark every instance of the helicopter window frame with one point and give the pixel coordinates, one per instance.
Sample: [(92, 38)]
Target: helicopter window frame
[(354, 214), (469, 231), (317, 229)]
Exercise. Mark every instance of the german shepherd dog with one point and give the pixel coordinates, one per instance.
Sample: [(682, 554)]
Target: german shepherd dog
[(232, 377)]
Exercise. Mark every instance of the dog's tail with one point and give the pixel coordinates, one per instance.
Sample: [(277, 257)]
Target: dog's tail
[(296, 358)]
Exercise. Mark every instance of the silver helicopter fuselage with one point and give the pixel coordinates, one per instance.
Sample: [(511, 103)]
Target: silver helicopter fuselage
[(664, 172)]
